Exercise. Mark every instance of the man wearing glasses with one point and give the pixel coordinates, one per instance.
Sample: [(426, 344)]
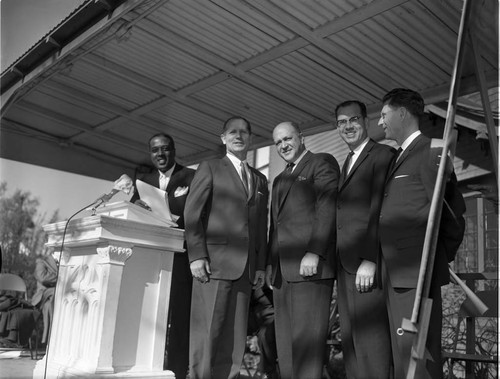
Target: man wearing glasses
[(363, 316), (175, 180)]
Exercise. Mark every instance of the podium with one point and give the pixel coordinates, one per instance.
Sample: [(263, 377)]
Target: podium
[(112, 295)]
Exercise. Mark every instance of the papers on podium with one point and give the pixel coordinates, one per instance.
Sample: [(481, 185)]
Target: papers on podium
[(156, 199)]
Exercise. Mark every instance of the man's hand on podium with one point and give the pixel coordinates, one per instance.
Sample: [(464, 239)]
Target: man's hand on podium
[(142, 204)]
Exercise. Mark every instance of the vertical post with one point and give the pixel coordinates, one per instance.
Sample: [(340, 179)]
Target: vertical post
[(483, 91), (470, 337)]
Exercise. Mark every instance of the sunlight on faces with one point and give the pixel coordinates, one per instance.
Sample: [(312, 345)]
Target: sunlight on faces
[(237, 138), (353, 131), (391, 122), (289, 142), (162, 153)]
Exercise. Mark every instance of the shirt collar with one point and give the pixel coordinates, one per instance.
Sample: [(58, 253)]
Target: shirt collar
[(234, 160), (167, 173), (360, 148), (296, 162), (410, 139)]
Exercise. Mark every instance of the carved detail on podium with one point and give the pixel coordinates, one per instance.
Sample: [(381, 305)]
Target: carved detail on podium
[(114, 254), (80, 308)]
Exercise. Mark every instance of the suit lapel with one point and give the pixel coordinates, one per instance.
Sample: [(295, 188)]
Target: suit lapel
[(175, 178), (235, 177), (362, 156), (405, 154), (252, 183), (286, 182)]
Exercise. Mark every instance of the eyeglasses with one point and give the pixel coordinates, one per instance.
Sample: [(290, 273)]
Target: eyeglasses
[(163, 149), (344, 122)]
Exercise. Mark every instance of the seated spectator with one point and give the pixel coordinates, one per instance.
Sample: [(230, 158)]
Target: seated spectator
[(17, 320), (43, 299)]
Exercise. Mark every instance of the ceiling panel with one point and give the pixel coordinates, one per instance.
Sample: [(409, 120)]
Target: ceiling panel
[(184, 67)]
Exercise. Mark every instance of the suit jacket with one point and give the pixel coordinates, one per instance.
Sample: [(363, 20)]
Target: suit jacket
[(46, 278), (303, 217), (359, 200), (223, 223), (181, 177), (405, 210)]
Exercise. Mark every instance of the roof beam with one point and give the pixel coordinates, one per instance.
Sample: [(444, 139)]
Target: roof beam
[(78, 125), (199, 52), (359, 76)]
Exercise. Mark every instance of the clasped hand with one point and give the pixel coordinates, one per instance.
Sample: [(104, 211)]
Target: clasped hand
[(200, 269), (309, 264), (365, 276)]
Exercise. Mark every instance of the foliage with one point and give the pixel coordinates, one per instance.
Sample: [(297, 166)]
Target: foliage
[(21, 234), (454, 337)]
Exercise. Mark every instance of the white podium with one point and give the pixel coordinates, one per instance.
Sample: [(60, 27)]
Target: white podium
[(112, 295)]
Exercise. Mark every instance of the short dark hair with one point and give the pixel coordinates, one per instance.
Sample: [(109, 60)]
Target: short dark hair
[(167, 136), (231, 119), (407, 98), (361, 106)]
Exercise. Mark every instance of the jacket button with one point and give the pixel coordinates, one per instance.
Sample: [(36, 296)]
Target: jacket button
[(340, 227)]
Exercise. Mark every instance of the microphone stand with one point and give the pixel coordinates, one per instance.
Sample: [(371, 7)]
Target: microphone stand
[(97, 203)]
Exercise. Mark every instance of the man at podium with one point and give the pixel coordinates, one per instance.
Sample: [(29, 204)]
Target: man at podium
[(175, 179)]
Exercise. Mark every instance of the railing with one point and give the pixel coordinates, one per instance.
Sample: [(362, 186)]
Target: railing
[(479, 351)]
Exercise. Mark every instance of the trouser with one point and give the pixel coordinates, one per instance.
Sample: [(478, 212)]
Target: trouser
[(219, 315)]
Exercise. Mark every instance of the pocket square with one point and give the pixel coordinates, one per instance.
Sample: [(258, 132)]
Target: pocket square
[(181, 191), (400, 176)]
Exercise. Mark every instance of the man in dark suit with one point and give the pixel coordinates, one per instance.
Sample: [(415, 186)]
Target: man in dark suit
[(46, 271), (301, 253), (175, 180), (364, 325), (402, 227), (226, 224)]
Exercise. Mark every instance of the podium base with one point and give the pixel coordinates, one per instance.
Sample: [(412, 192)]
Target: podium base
[(59, 372)]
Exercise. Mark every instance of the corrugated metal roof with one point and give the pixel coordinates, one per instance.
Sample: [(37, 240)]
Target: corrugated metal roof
[(186, 66)]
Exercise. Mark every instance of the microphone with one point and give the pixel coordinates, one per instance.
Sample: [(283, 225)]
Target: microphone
[(122, 184)]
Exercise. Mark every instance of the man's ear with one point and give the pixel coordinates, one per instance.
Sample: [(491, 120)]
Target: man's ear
[(403, 112), (223, 138)]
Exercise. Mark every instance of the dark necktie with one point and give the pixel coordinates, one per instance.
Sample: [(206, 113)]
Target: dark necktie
[(284, 178), (393, 163), (289, 168), (399, 153), (345, 168), (244, 177)]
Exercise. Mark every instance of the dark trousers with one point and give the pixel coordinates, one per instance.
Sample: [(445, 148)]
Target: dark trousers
[(364, 326), (400, 305), (302, 312), (219, 315), (178, 317)]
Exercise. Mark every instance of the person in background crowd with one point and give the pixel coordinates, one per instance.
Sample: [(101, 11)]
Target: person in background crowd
[(46, 271), (175, 179), (366, 342), (226, 225), (402, 227), (301, 253), (17, 320)]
